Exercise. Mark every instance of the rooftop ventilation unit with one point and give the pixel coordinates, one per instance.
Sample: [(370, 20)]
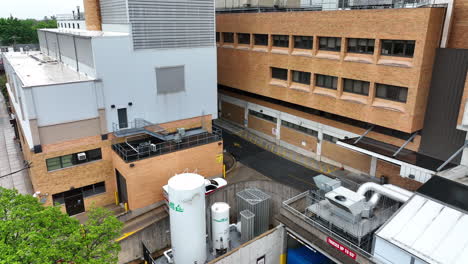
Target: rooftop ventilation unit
[(258, 203), (347, 200)]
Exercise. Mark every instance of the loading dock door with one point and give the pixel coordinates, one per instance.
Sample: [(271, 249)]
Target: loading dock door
[(121, 187), (300, 252)]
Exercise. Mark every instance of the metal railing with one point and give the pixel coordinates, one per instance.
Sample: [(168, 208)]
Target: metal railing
[(147, 149), (297, 206), (317, 5), (137, 123), (73, 16)]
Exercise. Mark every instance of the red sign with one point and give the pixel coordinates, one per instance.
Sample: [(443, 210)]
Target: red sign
[(341, 248)]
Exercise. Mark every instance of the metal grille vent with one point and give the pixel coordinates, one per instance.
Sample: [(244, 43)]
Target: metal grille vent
[(247, 225), (258, 203)]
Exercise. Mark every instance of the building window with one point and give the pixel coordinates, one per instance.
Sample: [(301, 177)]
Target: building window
[(87, 191), (261, 39), (78, 26), (390, 92), (73, 25), (228, 37), (217, 36), (326, 81), (303, 42), (403, 48), (328, 43), (281, 41), (330, 138), (243, 38), (73, 159), (301, 77), (69, 25), (356, 86), (278, 73), (299, 128), (358, 45), (262, 116)]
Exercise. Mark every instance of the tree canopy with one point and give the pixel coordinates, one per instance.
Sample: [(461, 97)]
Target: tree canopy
[(18, 31), (35, 234)]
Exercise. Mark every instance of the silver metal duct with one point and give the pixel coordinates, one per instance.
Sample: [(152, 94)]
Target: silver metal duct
[(391, 191)]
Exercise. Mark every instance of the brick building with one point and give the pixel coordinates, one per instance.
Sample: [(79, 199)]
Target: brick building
[(374, 90), (109, 113)]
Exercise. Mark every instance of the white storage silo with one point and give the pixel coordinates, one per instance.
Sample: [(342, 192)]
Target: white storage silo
[(187, 218), (220, 227)]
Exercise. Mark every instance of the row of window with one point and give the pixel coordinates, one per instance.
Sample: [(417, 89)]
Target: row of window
[(384, 91), (73, 159), (69, 25), (86, 191), (403, 48), (299, 128)]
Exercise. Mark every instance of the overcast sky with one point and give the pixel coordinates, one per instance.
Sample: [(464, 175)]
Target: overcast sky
[(37, 8)]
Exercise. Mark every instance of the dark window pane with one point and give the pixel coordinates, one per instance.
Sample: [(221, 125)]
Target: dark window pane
[(280, 41), (217, 37), (390, 92), (301, 77), (99, 188), (403, 48), (261, 39), (58, 198), (361, 45), (278, 73), (243, 38), (326, 81), (356, 86), (228, 37), (303, 42), (94, 154), (263, 116), (329, 43), (53, 164), (88, 191)]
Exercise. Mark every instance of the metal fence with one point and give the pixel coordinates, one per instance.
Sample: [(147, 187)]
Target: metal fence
[(297, 206), (73, 16), (130, 153)]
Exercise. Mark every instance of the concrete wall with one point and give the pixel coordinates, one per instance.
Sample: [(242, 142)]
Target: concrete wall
[(129, 76), (268, 245), (248, 68)]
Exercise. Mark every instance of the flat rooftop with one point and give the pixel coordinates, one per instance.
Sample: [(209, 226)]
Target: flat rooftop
[(36, 69), (84, 33)]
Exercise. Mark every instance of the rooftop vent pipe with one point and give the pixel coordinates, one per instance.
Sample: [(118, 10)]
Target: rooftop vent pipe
[(391, 191)]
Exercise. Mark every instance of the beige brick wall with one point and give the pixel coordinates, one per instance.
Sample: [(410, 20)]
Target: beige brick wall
[(459, 29), (249, 70), (146, 179), (297, 139), (392, 172), (345, 156), (266, 127), (92, 14), (233, 113)]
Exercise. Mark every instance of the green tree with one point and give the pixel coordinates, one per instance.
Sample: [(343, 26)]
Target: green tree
[(16, 31), (32, 233)]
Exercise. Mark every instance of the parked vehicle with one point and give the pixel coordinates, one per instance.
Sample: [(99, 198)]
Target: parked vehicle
[(211, 186)]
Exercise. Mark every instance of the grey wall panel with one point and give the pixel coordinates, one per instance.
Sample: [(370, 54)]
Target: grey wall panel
[(440, 138), (42, 41), (114, 11), (52, 44), (172, 24), (84, 51), (67, 48), (170, 79)]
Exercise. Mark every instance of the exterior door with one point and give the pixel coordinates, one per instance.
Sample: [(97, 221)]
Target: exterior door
[(122, 115), (121, 187), (74, 203)]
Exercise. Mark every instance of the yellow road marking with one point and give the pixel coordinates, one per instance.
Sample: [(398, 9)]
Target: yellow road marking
[(128, 234)]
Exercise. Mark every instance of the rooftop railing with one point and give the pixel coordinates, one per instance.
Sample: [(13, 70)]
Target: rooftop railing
[(298, 207), (142, 149), (73, 16)]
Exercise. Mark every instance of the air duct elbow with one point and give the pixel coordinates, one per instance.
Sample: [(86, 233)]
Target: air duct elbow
[(391, 191)]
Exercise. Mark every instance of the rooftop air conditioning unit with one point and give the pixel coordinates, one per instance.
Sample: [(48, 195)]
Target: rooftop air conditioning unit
[(81, 156), (153, 147), (347, 200)]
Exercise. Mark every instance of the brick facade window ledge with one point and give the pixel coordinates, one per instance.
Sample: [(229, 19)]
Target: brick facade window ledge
[(396, 62), (325, 92), (300, 87), (280, 83), (354, 98), (392, 106), (279, 50), (228, 46), (243, 47), (331, 55), (260, 49), (361, 59), (302, 52)]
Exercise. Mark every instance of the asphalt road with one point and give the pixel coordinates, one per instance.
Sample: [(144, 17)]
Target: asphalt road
[(269, 164)]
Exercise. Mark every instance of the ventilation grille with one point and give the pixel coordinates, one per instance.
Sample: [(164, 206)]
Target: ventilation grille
[(247, 225), (160, 24), (114, 11)]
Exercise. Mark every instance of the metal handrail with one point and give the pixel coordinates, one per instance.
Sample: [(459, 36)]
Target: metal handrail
[(321, 227), (167, 147)]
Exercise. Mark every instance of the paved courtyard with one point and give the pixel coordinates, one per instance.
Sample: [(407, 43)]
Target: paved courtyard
[(11, 159)]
